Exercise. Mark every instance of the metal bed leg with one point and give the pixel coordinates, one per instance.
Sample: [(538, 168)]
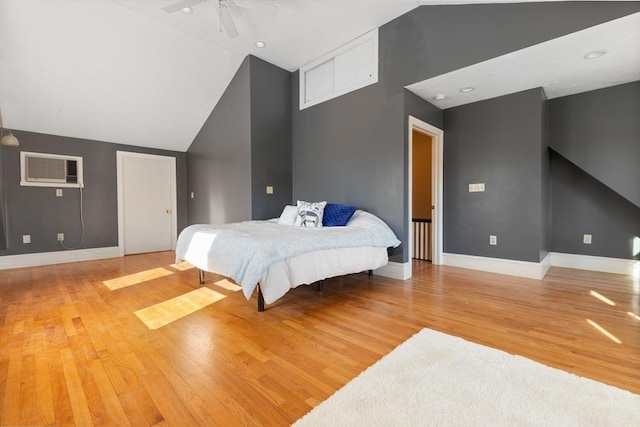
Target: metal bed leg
[(201, 276), (320, 286), (260, 300), (370, 273)]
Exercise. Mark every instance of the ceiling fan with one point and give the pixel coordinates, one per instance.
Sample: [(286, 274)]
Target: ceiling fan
[(225, 8)]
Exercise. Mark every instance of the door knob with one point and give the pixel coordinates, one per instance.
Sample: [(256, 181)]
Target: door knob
[(168, 211)]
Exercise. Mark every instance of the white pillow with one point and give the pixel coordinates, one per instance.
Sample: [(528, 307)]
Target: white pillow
[(310, 214), (289, 215)]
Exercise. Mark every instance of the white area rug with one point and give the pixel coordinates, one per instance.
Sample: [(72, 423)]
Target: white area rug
[(434, 379)]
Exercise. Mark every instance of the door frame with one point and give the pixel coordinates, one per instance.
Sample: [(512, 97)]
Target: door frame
[(437, 169), (120, 156)]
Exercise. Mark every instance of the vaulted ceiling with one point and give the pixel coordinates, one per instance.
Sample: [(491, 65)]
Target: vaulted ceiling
[(126, 71)]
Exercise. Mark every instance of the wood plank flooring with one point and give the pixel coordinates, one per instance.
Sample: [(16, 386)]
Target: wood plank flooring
[(72, 351)]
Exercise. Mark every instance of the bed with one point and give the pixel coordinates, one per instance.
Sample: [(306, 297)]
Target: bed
[(275, 256)]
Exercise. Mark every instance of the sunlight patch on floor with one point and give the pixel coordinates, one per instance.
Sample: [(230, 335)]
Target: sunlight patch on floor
[(163, 313), (604, 332), (228, 285), (183, 266), (136, 278), (602, 298)]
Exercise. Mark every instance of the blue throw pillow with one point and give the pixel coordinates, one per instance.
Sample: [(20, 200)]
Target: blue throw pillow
[(336, 215)]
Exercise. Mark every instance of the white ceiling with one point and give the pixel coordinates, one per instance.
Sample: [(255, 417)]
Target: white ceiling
[(557, 65), (125, 71)]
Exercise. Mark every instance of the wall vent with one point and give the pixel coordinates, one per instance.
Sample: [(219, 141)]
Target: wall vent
[(50, 170)]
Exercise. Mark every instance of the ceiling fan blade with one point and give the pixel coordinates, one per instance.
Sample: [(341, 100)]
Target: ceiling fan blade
[(227, 21), (234, 8), (172, 8)]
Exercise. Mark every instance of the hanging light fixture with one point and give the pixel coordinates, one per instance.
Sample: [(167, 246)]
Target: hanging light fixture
[(8, 138)]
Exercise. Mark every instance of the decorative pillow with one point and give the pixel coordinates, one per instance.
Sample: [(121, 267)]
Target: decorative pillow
[(336, 215), (289, 215), (310, 214)]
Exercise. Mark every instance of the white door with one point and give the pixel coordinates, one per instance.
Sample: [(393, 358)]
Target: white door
[(147, 203)]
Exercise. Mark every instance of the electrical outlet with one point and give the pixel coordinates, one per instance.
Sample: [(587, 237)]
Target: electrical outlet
[(60, 237), (476, 188), (269, 189), (26, 238), (586, 239), (493, 240)]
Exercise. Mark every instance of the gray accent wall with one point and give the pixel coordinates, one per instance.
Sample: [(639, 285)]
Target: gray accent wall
[(38, 212), (498, 142), (595, 137), (219, 159), (244, 145), (599, 131), (271, 158), (583, 205), (352, 149)]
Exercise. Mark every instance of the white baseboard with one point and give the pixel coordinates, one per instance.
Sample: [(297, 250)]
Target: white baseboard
[(395, 270), (532, 270), (596, 263), (58, 257)]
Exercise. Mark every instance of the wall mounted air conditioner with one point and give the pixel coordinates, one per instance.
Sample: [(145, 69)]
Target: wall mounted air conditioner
[(50, 170)]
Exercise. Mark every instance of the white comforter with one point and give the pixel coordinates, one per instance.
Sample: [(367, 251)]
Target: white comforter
[(244, 251)]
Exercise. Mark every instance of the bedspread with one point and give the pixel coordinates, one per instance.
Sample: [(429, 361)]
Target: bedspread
[(245, 250)]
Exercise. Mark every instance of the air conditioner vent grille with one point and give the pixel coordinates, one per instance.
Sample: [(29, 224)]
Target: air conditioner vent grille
[(46, 170), (50, 170)]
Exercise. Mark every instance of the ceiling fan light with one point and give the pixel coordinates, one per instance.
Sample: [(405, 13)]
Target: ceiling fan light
[(8, 139)]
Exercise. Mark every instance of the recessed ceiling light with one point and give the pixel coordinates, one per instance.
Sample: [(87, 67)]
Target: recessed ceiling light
[(260, 44), (595, 54), (187, 10), (439, 97), (467, 89)]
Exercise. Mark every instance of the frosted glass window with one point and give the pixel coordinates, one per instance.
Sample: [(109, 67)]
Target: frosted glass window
[(354, 66), (351, 67), (320, 81)]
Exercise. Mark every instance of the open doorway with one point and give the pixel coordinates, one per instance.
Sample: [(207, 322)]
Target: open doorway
[(425, 192), (422, 196)]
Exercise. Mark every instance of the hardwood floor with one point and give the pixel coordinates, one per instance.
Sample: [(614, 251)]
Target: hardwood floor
[(72, 351)]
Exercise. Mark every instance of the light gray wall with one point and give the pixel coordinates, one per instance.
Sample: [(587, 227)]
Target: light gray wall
[(599, 131), (38, 212), (497, 142), (352, 149), (271, 158), (583, 205), (219, 159)]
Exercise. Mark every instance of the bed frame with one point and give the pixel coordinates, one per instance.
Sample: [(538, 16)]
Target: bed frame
[(319, 288)]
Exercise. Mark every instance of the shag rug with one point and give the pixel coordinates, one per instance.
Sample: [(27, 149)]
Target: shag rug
[(434, 379)]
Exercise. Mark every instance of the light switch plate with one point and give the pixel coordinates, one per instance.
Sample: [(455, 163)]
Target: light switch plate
[(269, 189), (476, 188), (58, 192)]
